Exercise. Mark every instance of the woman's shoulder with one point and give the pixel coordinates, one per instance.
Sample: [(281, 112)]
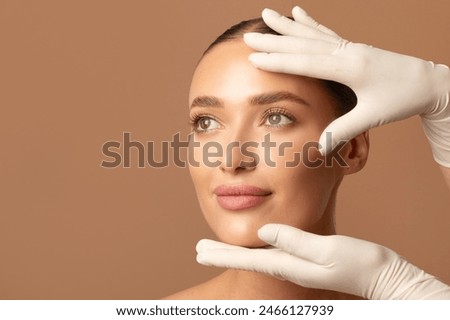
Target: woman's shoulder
[(205, 291), (193, 293)]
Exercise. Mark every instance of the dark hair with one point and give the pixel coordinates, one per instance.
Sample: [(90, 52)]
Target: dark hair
[(344, 96)]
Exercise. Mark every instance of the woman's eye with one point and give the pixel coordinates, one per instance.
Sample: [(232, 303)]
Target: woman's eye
[(277, 119), (206, 124)]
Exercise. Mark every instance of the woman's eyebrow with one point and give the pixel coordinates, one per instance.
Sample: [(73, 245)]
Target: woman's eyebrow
[(273, 97), (260, 99), (206, 101)]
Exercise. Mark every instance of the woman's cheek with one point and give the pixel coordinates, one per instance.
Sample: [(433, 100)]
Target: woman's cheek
[(303, 185)]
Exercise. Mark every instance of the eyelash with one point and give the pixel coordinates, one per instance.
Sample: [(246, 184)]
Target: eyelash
[(195, 118), (277, 110)]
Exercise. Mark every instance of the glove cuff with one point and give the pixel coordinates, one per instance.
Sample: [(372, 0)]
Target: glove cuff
[(438, 134), (436, 124), (404, 281)]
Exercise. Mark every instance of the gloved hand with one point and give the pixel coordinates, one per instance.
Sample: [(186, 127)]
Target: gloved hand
[(389, 86), (335, 262)]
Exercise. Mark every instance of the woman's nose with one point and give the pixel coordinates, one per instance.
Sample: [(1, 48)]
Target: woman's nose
[(239, 156)]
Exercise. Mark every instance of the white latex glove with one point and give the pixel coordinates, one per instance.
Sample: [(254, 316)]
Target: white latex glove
[(389, 86), (336, 263)]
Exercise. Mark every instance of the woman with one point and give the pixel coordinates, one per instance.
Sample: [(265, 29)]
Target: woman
[(271, 170), (389, 87)]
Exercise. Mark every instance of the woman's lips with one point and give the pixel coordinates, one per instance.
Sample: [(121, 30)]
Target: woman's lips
[(240, 197)]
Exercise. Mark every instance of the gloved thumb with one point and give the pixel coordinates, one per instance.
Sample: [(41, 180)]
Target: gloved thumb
[(345, 128)]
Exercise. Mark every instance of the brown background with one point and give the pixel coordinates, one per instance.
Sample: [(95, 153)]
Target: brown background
[(76, 74)]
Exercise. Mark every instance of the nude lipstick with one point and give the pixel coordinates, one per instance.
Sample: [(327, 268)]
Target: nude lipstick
[(239, 197)]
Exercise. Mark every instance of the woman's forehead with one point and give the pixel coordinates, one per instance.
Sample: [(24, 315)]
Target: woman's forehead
[(226, 74)]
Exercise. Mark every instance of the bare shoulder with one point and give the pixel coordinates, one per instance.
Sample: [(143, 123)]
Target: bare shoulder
[(193, 293), (209, 290)]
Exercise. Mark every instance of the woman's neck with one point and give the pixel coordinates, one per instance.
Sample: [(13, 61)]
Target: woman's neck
[(246, 285)]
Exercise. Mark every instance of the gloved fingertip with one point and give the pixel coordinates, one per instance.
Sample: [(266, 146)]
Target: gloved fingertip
[(325, 144), (269, 13), (200, 245), (322, 151), (255, 58), (297, 11), (251, 36), (201, 259), (268, 233)]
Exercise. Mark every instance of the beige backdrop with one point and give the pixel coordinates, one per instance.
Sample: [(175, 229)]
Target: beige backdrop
[(76, 74)]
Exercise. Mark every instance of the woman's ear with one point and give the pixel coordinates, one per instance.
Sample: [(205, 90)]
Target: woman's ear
[(355, 153)]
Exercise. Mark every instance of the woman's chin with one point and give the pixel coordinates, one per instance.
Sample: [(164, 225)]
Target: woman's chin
[(249, 239)]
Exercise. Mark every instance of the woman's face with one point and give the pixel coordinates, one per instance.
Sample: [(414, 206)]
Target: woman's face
[(247, 125)]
